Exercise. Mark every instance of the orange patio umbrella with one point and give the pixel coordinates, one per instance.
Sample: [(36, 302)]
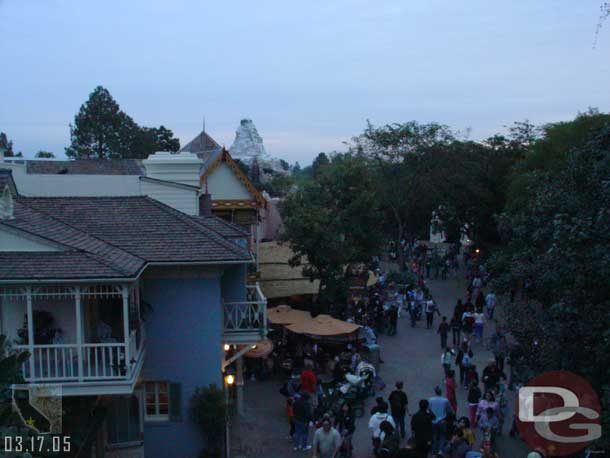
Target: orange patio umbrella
[(323, 325), (284, 314)]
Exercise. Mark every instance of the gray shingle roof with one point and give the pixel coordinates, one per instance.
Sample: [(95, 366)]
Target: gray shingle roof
[(52, 264), (120, 233), (202, 142), (86, 167), (222, 227)]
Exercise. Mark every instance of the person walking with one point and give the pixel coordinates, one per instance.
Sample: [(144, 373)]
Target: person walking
[(490, 304), (456, 329), (462, 361), (431, 309), (392, 319), (303, 414), (479, 323), (346, 425), (399, 406), (446, 359), (450, 389), (389, 441), (375, 423), (440, 407), (474, 397), (422, 429), (443, 331), (326, 440)]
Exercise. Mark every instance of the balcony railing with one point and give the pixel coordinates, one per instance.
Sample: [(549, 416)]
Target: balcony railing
[(247, 320), (83, 363)]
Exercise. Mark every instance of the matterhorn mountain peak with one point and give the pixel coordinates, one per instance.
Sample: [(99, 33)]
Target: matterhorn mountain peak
[(248, 144), (248, 148)]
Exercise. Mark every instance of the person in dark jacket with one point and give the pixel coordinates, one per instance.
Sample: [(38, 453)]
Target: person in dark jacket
[(457, 447), (399, 406), (390, 441), (346, 425), (421, 427), (379, 404), (302, 416)]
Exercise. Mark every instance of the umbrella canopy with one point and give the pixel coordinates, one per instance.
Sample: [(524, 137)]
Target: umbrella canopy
[(261, 349), (284, 314), (323, 325)]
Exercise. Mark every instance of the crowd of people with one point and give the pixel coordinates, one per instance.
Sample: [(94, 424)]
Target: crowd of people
[(439, 427)]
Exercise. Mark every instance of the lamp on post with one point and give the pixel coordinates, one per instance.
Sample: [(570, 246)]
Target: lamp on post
[(229, 381)]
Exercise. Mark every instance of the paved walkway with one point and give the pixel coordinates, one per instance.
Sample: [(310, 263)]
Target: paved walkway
[(413, 355)]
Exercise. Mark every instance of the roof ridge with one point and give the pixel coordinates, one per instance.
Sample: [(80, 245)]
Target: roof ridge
[(191, 221), (122, 250), (227, 223)]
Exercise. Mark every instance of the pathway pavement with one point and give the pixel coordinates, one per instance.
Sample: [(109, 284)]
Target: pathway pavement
[(413, 356)]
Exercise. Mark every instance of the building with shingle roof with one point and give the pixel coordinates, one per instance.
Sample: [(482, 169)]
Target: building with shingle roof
[(125, 303)]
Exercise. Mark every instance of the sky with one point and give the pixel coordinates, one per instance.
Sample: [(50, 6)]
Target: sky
[(309, 74)]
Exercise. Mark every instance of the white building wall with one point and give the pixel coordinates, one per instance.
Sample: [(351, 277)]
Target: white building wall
[(181, 199), (43, 185), (182, 168), (224, 185)]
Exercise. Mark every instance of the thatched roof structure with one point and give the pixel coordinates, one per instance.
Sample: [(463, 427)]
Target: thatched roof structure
[(278, 278)]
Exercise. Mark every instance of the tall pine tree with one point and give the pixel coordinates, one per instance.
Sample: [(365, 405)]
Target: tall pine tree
[(101, 130)]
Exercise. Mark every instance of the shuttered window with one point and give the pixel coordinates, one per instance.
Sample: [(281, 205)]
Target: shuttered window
[(163, 401), (156, 401)]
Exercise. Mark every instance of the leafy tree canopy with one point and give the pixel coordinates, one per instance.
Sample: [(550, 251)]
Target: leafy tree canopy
[(556, 243), (45, 155), (331, 220)]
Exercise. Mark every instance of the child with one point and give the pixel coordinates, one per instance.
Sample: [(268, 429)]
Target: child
[(290, 416), (443, 330), (446, 360), (464, 425)]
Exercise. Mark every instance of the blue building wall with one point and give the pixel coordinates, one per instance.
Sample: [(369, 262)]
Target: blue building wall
[(184, 345), (233, 284)]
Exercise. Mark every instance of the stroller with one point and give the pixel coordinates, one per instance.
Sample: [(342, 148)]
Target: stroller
[(358, 387)]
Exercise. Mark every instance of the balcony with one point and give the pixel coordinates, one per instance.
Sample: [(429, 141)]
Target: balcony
[(246, 322), (88, 340)]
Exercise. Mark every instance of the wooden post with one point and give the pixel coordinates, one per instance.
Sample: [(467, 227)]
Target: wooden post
[(79, 333), (239, 384), (30, 315), (125, 290)]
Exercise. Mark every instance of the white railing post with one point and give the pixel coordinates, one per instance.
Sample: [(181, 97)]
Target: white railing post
[(30, 315), (125, 293), (79, 333)]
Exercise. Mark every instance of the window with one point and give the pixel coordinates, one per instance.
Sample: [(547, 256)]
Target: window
[(156, 401), (123, 422)]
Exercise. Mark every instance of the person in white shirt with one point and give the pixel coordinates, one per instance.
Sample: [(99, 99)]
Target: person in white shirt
[(479, 323), (377, 418)]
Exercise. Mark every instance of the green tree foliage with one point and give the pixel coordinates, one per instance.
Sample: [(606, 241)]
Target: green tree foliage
[(556, 242), (6, 146), (279, 185), (332, 219), (424, 167), (101, 130), (44, 155), (208, 410), (319, 163)]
